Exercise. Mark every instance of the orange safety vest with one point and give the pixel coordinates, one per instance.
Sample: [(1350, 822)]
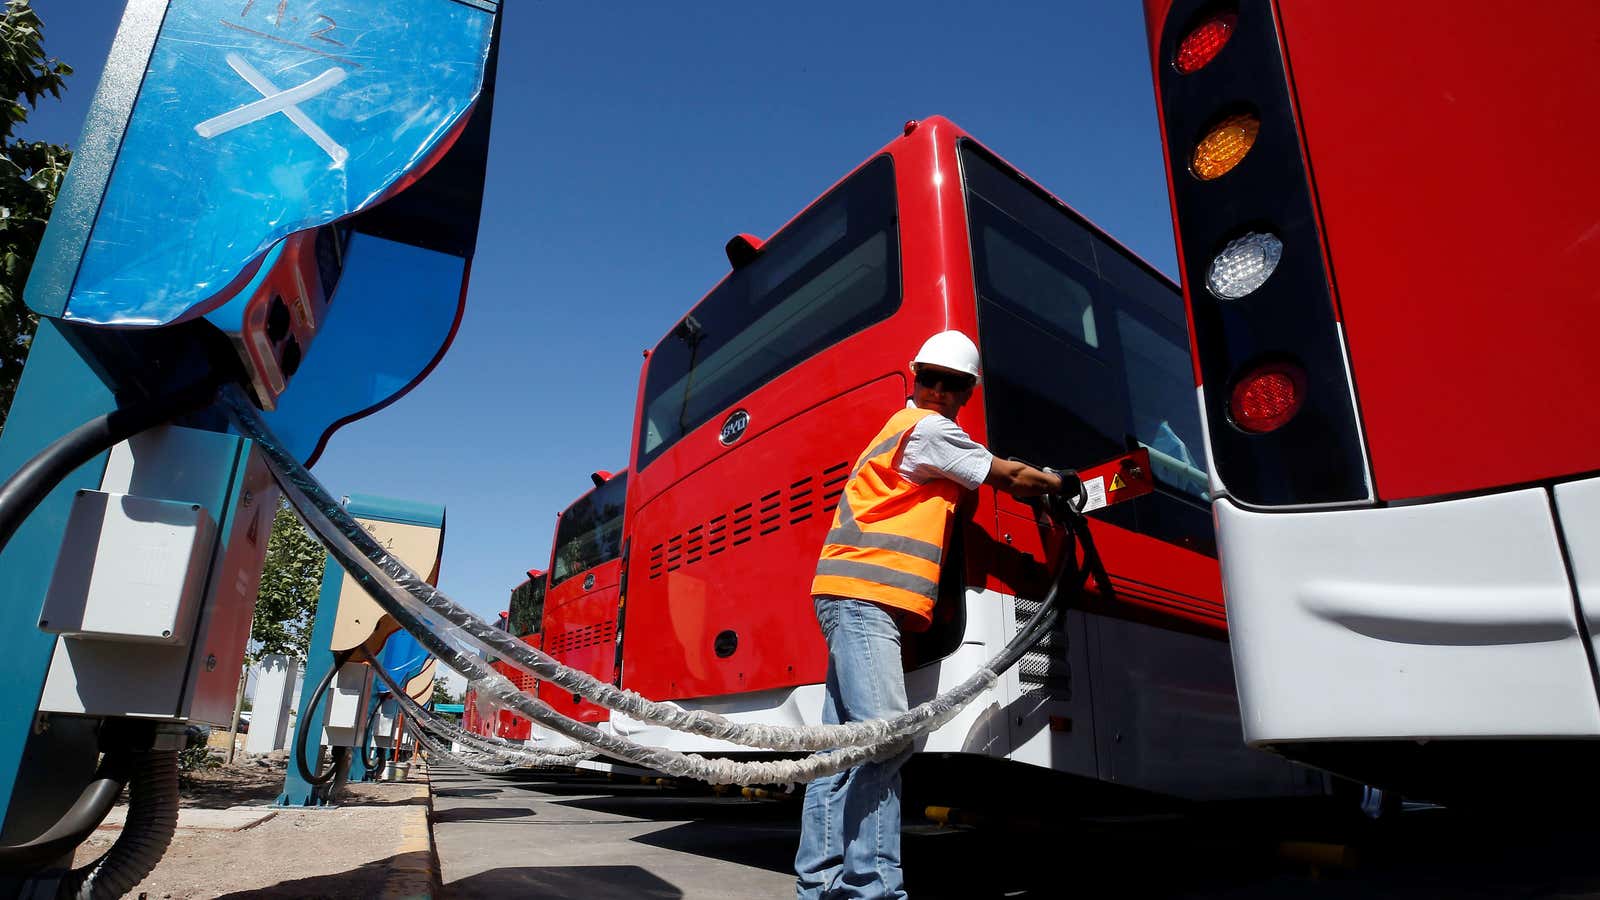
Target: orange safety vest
[(889, 533)]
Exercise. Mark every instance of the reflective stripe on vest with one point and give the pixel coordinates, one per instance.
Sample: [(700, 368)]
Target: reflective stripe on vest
[(887, 540)]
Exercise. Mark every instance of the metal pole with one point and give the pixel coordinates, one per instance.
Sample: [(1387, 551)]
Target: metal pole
[(238, 705)]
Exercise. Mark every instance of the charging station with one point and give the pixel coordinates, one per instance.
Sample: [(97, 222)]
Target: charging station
[(349, 628), (282, 197)]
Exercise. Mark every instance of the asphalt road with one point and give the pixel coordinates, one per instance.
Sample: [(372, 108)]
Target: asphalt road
[(585, 836)]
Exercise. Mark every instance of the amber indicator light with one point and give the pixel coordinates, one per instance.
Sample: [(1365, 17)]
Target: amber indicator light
[(1224, 146)]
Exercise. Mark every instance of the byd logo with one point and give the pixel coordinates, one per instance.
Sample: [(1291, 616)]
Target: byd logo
[(734, 426)]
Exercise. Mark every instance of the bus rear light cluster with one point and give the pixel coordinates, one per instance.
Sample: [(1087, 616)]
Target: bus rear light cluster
[(1244, 265), (1267, 398), (1280, 412), (1202, 45), (1224, 146)]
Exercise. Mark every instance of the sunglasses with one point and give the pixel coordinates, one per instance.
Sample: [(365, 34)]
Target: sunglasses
[(952, 382)]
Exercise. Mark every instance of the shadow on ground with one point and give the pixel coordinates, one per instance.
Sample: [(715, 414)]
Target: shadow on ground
[(366, 881), (587, 882), (481, 814), (463, 793)]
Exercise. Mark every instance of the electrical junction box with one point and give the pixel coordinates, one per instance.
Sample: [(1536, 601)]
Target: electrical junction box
[(130, 568), (350, 701), (419, 688), (383, 727)]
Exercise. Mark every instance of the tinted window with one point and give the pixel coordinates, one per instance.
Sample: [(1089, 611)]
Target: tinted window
[(832, 272), (1040, 333), (527, 607), (1034, 286), (1166, 416), (590, 531), (1081, 359)]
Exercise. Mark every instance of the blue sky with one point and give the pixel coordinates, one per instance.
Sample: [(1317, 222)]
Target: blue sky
[(631, 140)]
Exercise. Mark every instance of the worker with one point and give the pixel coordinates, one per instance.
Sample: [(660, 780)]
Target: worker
[(878, 575)]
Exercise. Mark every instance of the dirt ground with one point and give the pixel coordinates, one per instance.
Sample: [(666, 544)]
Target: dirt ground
[(349, 850)]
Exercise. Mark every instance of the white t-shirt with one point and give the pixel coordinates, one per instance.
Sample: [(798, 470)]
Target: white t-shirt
[(938, 448)]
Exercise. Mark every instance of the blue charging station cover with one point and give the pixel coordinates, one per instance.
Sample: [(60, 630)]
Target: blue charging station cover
[(392, 318), (223, 126), (403, 657)]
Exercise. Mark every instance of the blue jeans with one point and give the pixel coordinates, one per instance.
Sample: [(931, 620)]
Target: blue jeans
[(850, 825)]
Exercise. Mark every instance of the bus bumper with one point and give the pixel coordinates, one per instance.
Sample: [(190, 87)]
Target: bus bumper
[(1450, 620)]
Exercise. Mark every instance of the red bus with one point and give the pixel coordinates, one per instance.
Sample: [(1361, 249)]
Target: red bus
[(521, 619), (1385, 218), (754, 405), (580, 613)]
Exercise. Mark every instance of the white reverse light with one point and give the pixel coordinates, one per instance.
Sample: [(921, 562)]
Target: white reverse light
[(1244, 265)]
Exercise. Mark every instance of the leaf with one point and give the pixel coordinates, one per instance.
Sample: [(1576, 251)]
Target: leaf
[(30, 176), (291, 583)]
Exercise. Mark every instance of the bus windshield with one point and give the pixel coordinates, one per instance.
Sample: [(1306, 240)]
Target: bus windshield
[(590, 531), (1085, 350), (527, 606), (832, 272)]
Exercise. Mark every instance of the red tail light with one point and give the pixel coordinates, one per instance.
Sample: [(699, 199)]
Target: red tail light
[(1203, 44), (1267, 398)]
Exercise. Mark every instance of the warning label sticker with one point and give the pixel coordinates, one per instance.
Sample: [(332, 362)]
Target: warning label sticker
[(1095, 489)]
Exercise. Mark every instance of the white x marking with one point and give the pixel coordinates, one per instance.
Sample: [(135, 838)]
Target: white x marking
[(273, 101)]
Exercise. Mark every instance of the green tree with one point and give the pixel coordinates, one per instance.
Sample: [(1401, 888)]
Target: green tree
[(30, 176), (441, 693), (291, 581)]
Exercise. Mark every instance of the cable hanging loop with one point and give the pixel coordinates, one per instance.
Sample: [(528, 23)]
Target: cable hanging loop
[(419, 608)]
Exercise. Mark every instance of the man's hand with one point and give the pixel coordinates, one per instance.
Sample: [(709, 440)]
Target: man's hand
[(1021, 480)]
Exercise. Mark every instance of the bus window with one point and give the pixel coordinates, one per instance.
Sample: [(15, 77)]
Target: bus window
[(1166, 416), (1053, 396), (590, 531), (1081, 359), (832, 272), (527, 606), (1044, 291)]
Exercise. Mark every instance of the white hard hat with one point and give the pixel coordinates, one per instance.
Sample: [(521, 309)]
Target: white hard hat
[(950, 350)]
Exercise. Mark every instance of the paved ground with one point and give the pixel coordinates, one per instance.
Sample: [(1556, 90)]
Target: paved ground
[(561, 836), (570, 836), (232, 842)]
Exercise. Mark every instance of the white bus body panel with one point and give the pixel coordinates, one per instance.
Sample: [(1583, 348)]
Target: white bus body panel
[(1166, 718), (1442, 620), (1578, 504)]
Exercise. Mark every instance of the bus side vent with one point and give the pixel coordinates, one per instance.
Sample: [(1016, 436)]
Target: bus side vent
[(800, 500), (769, 513), (675, 553), (834, 478), (694, 548), (1044, 668), (741, 523), (797, 503), (717, 535), (580, 638)]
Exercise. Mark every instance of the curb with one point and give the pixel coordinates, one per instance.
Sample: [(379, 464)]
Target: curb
[(414, 872)]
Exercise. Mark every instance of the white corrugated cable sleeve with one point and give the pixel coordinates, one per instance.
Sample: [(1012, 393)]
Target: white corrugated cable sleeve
[(334, 525), (446, 730), (483, 766), (417, 605)]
